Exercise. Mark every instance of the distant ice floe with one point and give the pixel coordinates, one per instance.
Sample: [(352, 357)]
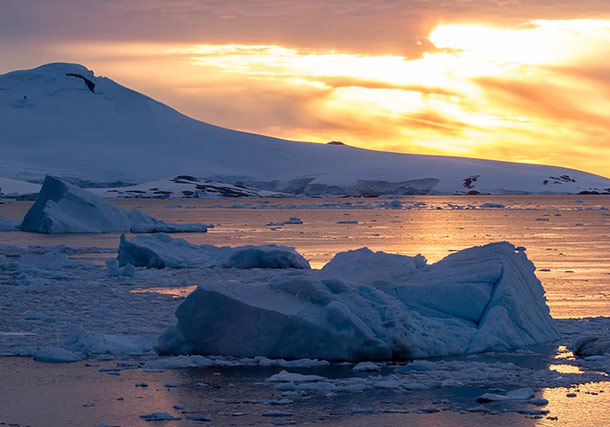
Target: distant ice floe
[(89, 344), (161, 251), (9, 225), (291, 220), (65, 208), (480, 299)]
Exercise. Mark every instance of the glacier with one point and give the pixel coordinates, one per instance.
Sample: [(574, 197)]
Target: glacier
[(62, 207), (480, 299)]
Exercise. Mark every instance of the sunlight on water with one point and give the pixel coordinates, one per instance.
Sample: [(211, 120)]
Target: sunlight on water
[(585, 405), (565, 236), (566, 369)]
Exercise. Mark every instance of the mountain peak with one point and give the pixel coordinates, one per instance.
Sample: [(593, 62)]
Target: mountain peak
[(54, 68)]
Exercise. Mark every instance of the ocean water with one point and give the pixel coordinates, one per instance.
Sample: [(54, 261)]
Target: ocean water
[(566, 237)]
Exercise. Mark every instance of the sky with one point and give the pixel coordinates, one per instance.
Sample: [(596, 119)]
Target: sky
[(524, 81)]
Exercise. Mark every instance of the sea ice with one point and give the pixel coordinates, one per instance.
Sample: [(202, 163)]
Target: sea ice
[(591, 346), (159, 416), (8, 225), (93, 344), (367, 367), (115, 270), (161, 251), (55, 355), (292, 220), (65, 208), (519, 394), (480, 299), (285, 377)]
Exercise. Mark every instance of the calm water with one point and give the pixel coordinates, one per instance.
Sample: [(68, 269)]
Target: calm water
[(77, 395), (566, 236)]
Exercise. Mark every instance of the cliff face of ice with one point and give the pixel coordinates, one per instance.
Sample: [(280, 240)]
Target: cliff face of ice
[(161, 251), (62, 119), (65, 208), (480, 299)]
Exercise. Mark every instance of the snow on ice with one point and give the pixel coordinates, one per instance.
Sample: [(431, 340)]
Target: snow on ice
[(481, 299), (161, 251), (591, 346), (8, 225), (89, 344), (65, 208)]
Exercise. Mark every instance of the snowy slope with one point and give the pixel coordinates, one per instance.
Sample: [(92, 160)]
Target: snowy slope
[(60, 119), (185, 186)]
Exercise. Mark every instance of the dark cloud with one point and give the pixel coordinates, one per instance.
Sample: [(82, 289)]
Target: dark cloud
[(375, 26)]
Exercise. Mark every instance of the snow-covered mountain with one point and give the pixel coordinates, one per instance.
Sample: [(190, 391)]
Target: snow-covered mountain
[(61, 119), (184, 186)]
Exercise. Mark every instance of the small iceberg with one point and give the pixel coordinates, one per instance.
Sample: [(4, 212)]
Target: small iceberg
[(65, 208), (162, 251)]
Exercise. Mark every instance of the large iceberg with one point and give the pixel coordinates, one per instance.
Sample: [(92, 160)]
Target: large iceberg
[(65, 208), (372, 306), (162, 251)]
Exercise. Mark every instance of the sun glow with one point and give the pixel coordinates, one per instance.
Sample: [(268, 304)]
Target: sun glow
[(480, 91)]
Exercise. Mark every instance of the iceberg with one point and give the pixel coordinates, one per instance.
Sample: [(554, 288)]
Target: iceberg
[(484, 298), (62, 207), (162, 251)]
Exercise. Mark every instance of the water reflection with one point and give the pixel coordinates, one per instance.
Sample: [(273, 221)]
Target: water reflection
[(432, 225), (584, 405), (176, 291)]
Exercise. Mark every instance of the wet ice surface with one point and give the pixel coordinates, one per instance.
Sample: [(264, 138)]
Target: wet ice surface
[(41, 312)]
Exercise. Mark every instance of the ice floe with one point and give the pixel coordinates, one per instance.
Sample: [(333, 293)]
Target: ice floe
[(161, 251), (8, 224), (525, 393), (55, 355), (93, 344)]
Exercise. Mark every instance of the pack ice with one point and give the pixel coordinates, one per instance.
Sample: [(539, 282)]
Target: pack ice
[(8, 225), (371, 306), (65, 208), (161, 251)]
